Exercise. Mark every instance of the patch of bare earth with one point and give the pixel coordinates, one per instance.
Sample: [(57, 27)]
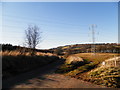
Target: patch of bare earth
[(46, 78), (56, 81)]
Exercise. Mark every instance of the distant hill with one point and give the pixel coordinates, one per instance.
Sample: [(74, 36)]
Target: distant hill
[(71, 49), (87, 48), (10, 47)]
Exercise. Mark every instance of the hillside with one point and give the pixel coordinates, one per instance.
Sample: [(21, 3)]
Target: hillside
[(90, 67), (87, 48), (17, 60), (10, 47)]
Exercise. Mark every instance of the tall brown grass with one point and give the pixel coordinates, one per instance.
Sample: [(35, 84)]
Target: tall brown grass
[(16, 53), (15, 62)]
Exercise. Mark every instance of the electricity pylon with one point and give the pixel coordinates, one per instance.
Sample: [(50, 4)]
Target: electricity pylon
[(92, 28)]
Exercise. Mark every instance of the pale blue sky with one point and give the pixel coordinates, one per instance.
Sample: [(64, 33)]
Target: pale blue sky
[(61, 23)]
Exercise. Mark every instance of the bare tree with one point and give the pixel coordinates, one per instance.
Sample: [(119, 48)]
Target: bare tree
[(33, 36)]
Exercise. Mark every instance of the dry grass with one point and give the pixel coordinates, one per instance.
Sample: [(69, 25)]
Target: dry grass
[(87, 57), (16, 62), (95, 59), (16, 53), (98, 57), (107, 76), (13, 53)]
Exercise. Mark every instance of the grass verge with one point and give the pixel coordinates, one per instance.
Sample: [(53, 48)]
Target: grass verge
[(16, 63), (109, 77)]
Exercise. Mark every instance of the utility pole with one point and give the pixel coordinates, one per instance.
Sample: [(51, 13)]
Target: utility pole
[(92, 28)]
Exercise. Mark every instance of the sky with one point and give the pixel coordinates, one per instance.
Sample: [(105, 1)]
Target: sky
[(61, 23)]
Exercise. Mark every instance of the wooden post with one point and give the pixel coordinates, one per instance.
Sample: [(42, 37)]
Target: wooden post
[(115, 61)]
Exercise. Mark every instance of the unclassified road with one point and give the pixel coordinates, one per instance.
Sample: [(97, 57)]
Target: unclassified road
[(46, 78)]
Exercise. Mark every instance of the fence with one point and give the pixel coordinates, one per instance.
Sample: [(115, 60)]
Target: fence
[(113, 62)]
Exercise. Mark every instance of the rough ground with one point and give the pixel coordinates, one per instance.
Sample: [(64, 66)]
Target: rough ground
[(46, 78), (56, 81)]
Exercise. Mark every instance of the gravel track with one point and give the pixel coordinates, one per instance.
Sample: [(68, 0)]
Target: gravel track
[(46, 78)]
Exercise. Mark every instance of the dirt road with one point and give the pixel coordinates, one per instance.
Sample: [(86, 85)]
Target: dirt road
[(46, 78)]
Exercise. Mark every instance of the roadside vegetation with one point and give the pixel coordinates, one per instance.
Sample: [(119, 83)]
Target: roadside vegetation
[(66, 68), (107, 76), (103, 76), (16, 62)]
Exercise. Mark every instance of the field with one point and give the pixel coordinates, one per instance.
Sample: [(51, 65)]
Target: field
[(91, 62), (15, 62), (98, 57)]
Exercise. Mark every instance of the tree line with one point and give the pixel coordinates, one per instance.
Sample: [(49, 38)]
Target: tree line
[(10, 47), (87, 48)]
